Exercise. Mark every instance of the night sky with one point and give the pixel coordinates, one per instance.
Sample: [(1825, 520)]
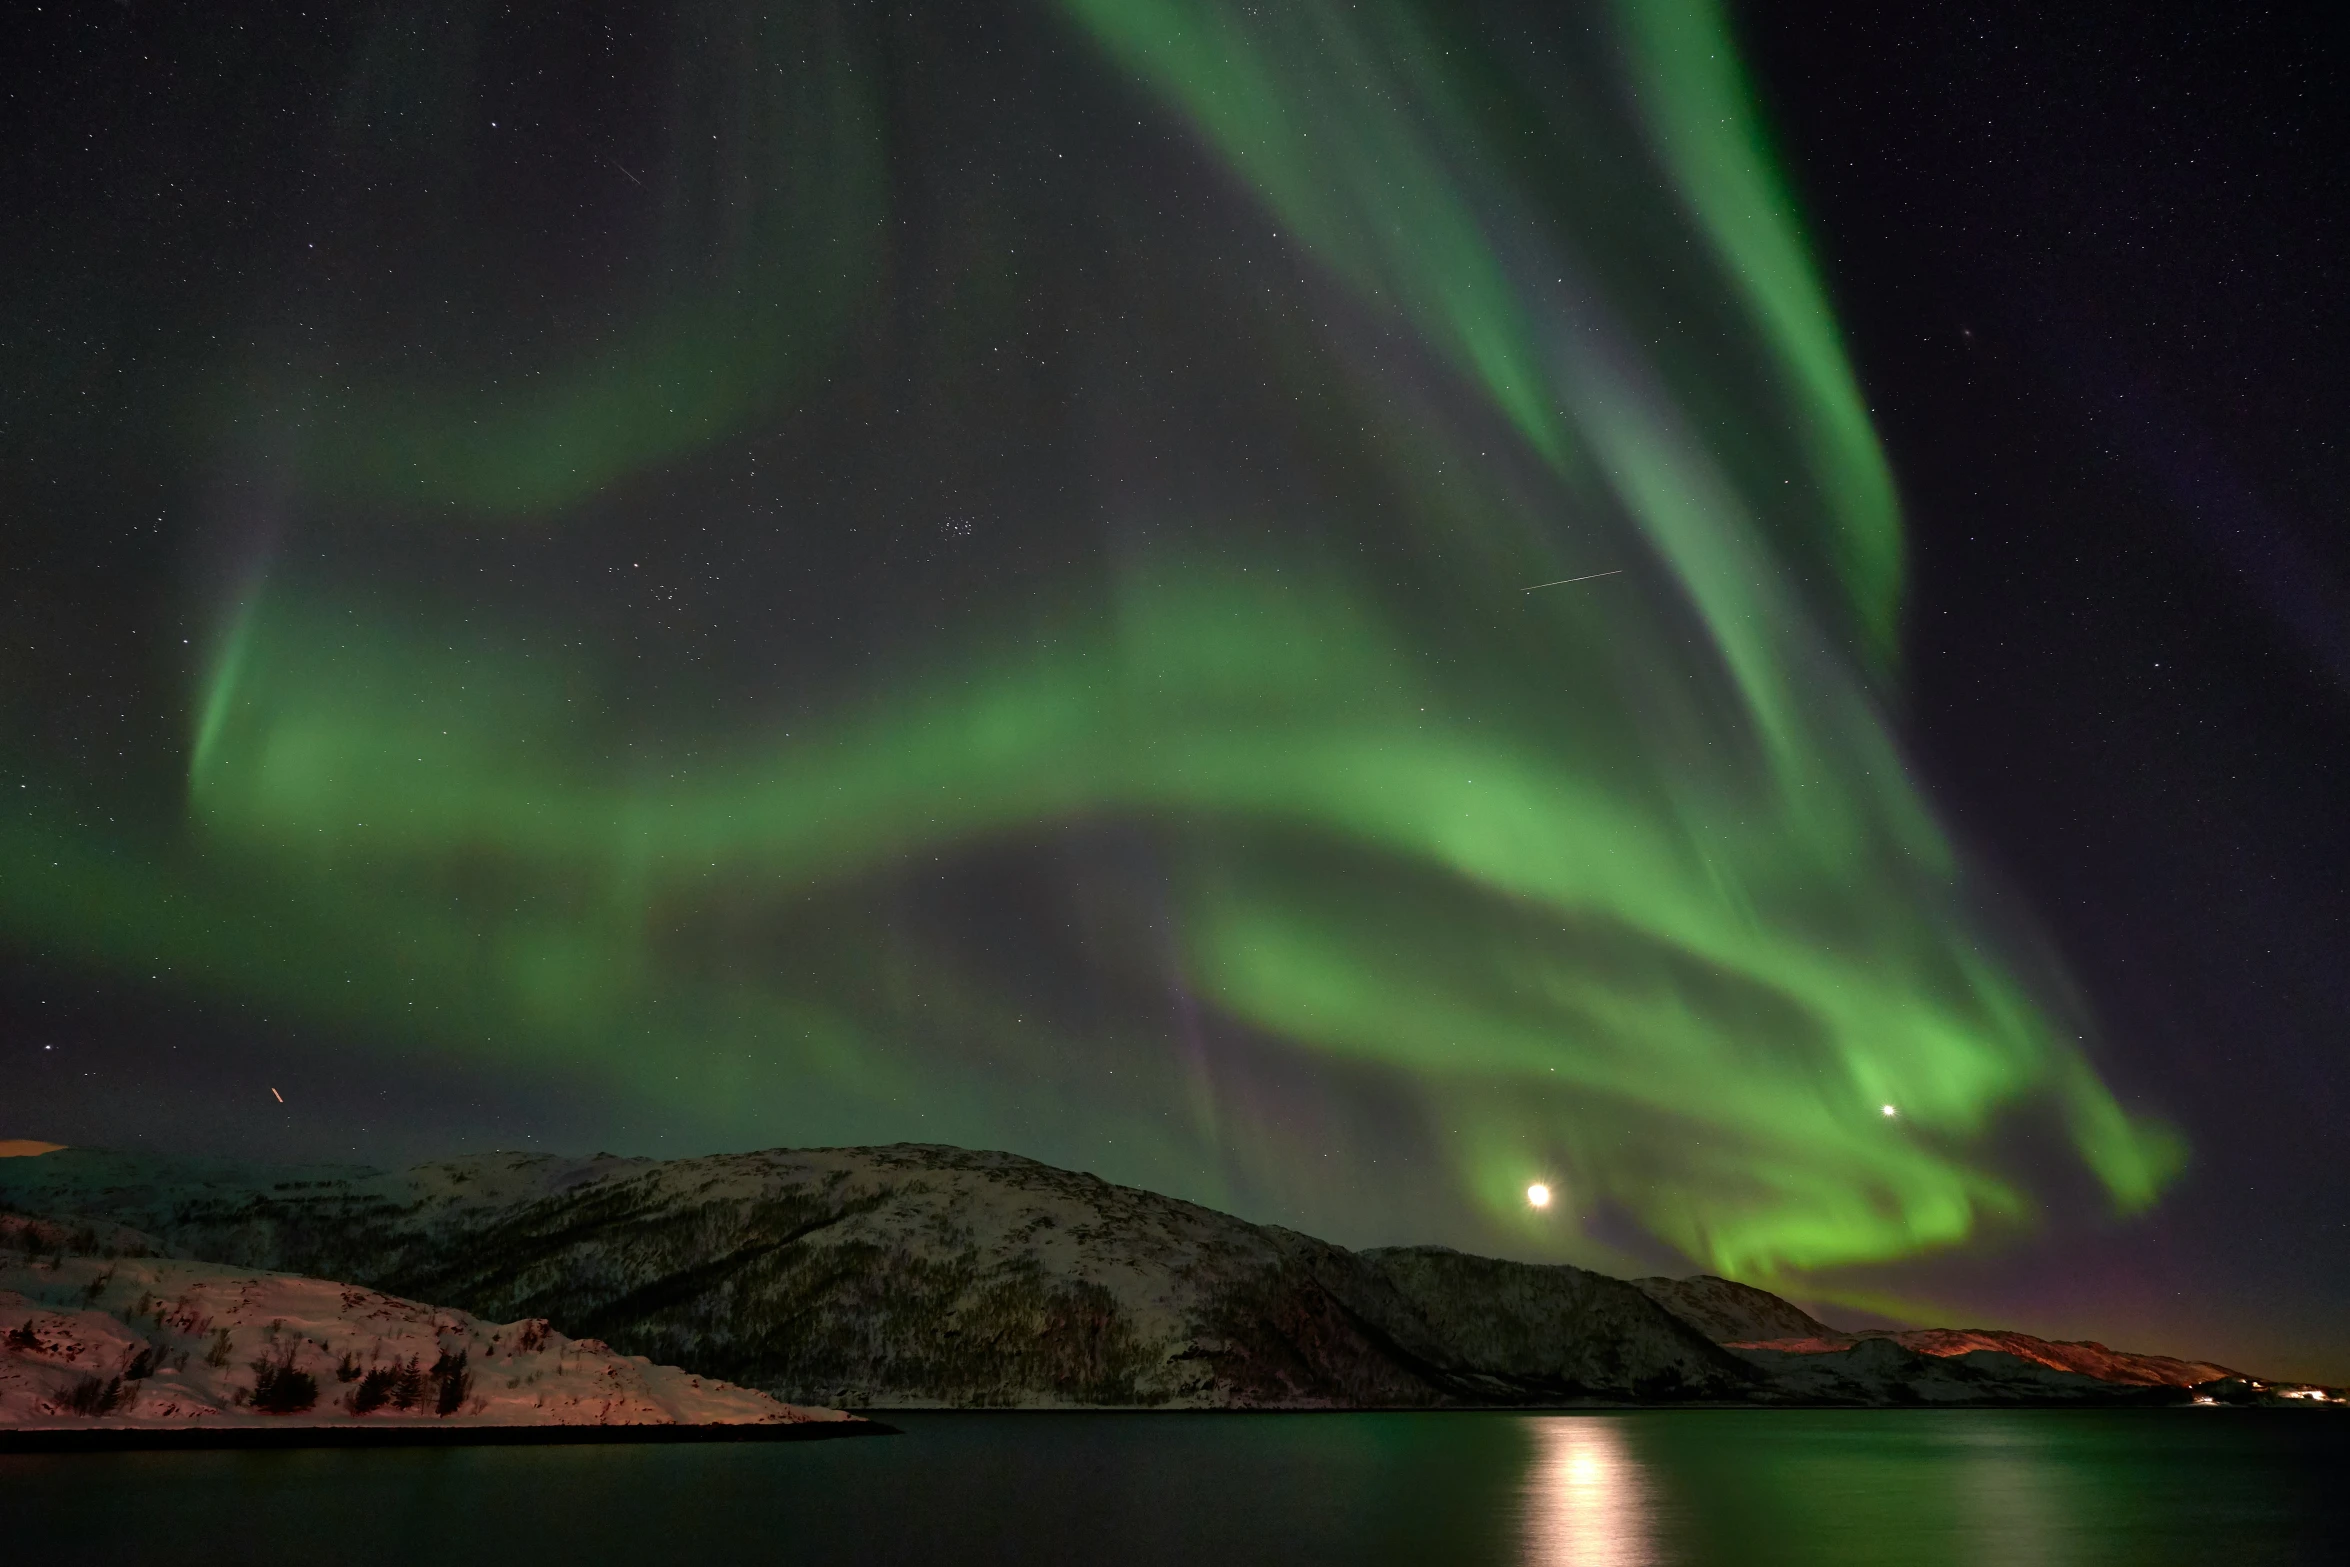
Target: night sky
[(697, 577)]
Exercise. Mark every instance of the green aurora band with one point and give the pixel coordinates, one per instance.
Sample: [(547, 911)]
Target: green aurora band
[(1622, 885)]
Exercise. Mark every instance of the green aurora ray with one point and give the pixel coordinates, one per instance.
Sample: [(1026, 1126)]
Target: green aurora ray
[(1623, 885)]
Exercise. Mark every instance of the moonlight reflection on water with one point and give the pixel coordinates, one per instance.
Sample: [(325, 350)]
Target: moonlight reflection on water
[(1588, 1503)]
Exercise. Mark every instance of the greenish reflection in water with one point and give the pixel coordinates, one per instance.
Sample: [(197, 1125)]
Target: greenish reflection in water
[(1980, 1488)]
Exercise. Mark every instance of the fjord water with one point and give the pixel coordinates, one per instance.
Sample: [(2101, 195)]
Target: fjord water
[(1614, 1489)]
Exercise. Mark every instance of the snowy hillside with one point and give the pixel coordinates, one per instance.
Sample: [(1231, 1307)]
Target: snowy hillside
[(144, 1341), (2090, 1360)]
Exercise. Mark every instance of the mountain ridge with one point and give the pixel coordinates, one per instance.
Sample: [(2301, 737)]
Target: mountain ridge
[(923, 1275)]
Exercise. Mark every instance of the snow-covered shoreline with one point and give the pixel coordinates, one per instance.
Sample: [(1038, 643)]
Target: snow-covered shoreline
[(131, 1343)]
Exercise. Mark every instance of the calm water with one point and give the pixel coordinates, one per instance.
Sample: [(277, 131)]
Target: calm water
[(1585, 1490)]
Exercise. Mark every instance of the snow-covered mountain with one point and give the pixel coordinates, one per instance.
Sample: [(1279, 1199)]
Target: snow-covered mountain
[(916, 1275), (2077, 1358), (148, 1342)]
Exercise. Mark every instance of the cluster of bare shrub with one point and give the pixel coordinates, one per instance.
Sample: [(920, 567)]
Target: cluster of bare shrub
[(88, 1395)]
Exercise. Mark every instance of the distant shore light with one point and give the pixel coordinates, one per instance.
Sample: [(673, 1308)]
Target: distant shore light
[(1538, 1194)]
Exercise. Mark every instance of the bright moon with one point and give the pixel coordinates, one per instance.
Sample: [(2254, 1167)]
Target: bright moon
[(1889, 1110), (1538, 1194)]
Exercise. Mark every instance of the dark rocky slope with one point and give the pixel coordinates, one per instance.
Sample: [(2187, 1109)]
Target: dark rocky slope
[(1731, 1313)]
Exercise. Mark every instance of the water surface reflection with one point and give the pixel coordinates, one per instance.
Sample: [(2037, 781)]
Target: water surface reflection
[(1659, 1488), (1588, 1503)]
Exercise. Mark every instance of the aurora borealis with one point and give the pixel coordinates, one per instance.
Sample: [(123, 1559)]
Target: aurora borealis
[(824, 574)]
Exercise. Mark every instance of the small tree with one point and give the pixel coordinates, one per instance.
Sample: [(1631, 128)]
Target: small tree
[(407, 1384), (279, 1389), (454, 1381), (93, 1396), (374, 1391)]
